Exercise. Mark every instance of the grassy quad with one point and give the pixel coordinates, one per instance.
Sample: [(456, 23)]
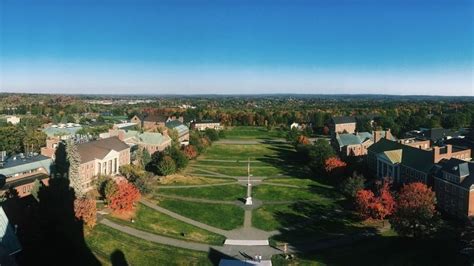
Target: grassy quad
[(224, 216), (180, 180), (105, 241), (147, 219), (249, 132), (223, 193)]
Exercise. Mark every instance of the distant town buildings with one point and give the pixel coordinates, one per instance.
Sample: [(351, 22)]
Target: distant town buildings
[(205, 124), (12, 119), (20, 171)]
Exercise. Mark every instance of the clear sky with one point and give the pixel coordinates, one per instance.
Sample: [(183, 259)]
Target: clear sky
[(237, 46)]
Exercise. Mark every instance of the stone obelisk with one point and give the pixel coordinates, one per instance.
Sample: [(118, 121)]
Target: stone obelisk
[(248, 200)]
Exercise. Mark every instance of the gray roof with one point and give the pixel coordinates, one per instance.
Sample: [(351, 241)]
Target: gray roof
[(459, 168), (56, 131), (16, 164), (8, 239), (343, 119), (98, 149)]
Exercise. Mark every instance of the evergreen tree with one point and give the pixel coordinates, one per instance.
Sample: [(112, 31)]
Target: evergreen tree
[(74, 161), (36, 188)]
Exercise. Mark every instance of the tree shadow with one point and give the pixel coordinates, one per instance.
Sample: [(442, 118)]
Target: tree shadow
[(215, 256), (309, 225), (53, 236), (118, 258), (287, 160)]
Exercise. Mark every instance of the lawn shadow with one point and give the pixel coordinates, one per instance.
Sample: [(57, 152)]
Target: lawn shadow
[(287, 160), (118, 258), (215, 256), (312, 225)]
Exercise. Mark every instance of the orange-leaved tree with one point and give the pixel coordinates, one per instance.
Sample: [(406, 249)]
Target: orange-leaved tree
[(334, 164), (124, 197), (377, 206), (190, 152), (303, 140), (415, 212), (85, 209)]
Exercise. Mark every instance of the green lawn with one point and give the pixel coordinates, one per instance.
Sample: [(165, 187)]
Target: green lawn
[(322, 195), (147, 219), (249, 132), (239, 170), (225, 192), (265, 217), (105, 241), (238, 151), (222, 216), (182, 180), (296, 182)]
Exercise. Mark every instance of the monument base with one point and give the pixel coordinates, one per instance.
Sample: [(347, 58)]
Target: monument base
[(248, 201)]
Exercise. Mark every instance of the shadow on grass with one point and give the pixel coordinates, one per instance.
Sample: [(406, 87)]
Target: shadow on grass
[(287, 160), (312, 225)]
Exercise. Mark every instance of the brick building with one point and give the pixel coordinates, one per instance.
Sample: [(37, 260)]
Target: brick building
[(20, 171), (182, 129), (356, 144), (151, 141), (153, 121), (342, 124), (102, 157), (403, 163), (454, 187)]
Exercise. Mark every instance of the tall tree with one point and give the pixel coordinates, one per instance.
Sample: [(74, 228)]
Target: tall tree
[(86, 210), (415, 213), (74, 160)]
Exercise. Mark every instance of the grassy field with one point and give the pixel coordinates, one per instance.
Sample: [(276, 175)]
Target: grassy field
[(248, 132), (147, 219), (276, 193), (297, 182), (178, 179), (239, 151), (222, 216), (105, 241), (224, 192), (239, 170)]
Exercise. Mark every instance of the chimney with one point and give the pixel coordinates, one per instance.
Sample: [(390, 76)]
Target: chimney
[(121, 134), (388, 134), (436, 154), (376, 135)]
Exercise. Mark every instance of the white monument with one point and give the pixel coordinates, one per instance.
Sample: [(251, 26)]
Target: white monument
[(248, 200)]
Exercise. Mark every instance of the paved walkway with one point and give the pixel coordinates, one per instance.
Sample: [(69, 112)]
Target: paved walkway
[(156, 238)]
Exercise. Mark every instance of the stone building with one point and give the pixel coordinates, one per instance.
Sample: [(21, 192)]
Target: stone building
[(202, 125), (342, 124)]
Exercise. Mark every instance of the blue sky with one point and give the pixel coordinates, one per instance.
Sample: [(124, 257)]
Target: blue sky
[(162, 47)]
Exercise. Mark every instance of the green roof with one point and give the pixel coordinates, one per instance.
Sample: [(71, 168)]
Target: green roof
[(178, 126), (352, 139), (56, 131)]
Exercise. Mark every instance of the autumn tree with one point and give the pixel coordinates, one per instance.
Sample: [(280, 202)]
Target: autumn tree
[(85, 210), (303, 140), (364, 200), (318, 153), (334, 164), (415, 212), (190, 152), (124, 197)]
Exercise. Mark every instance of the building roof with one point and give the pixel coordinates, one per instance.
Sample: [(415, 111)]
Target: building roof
[(204, 121), (153, 138), (421, 160), (394, 156), (353, 139), (8, 239), (18, 164), (60, 131), (178, 126), (459, 168), (98, 149), (343, 119)]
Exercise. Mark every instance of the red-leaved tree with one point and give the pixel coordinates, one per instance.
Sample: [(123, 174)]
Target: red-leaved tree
[(124, 197), (415, 213), (376, 207), (85, 210), (364, 200), (303, 140), (334, 165), (190, 152)]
